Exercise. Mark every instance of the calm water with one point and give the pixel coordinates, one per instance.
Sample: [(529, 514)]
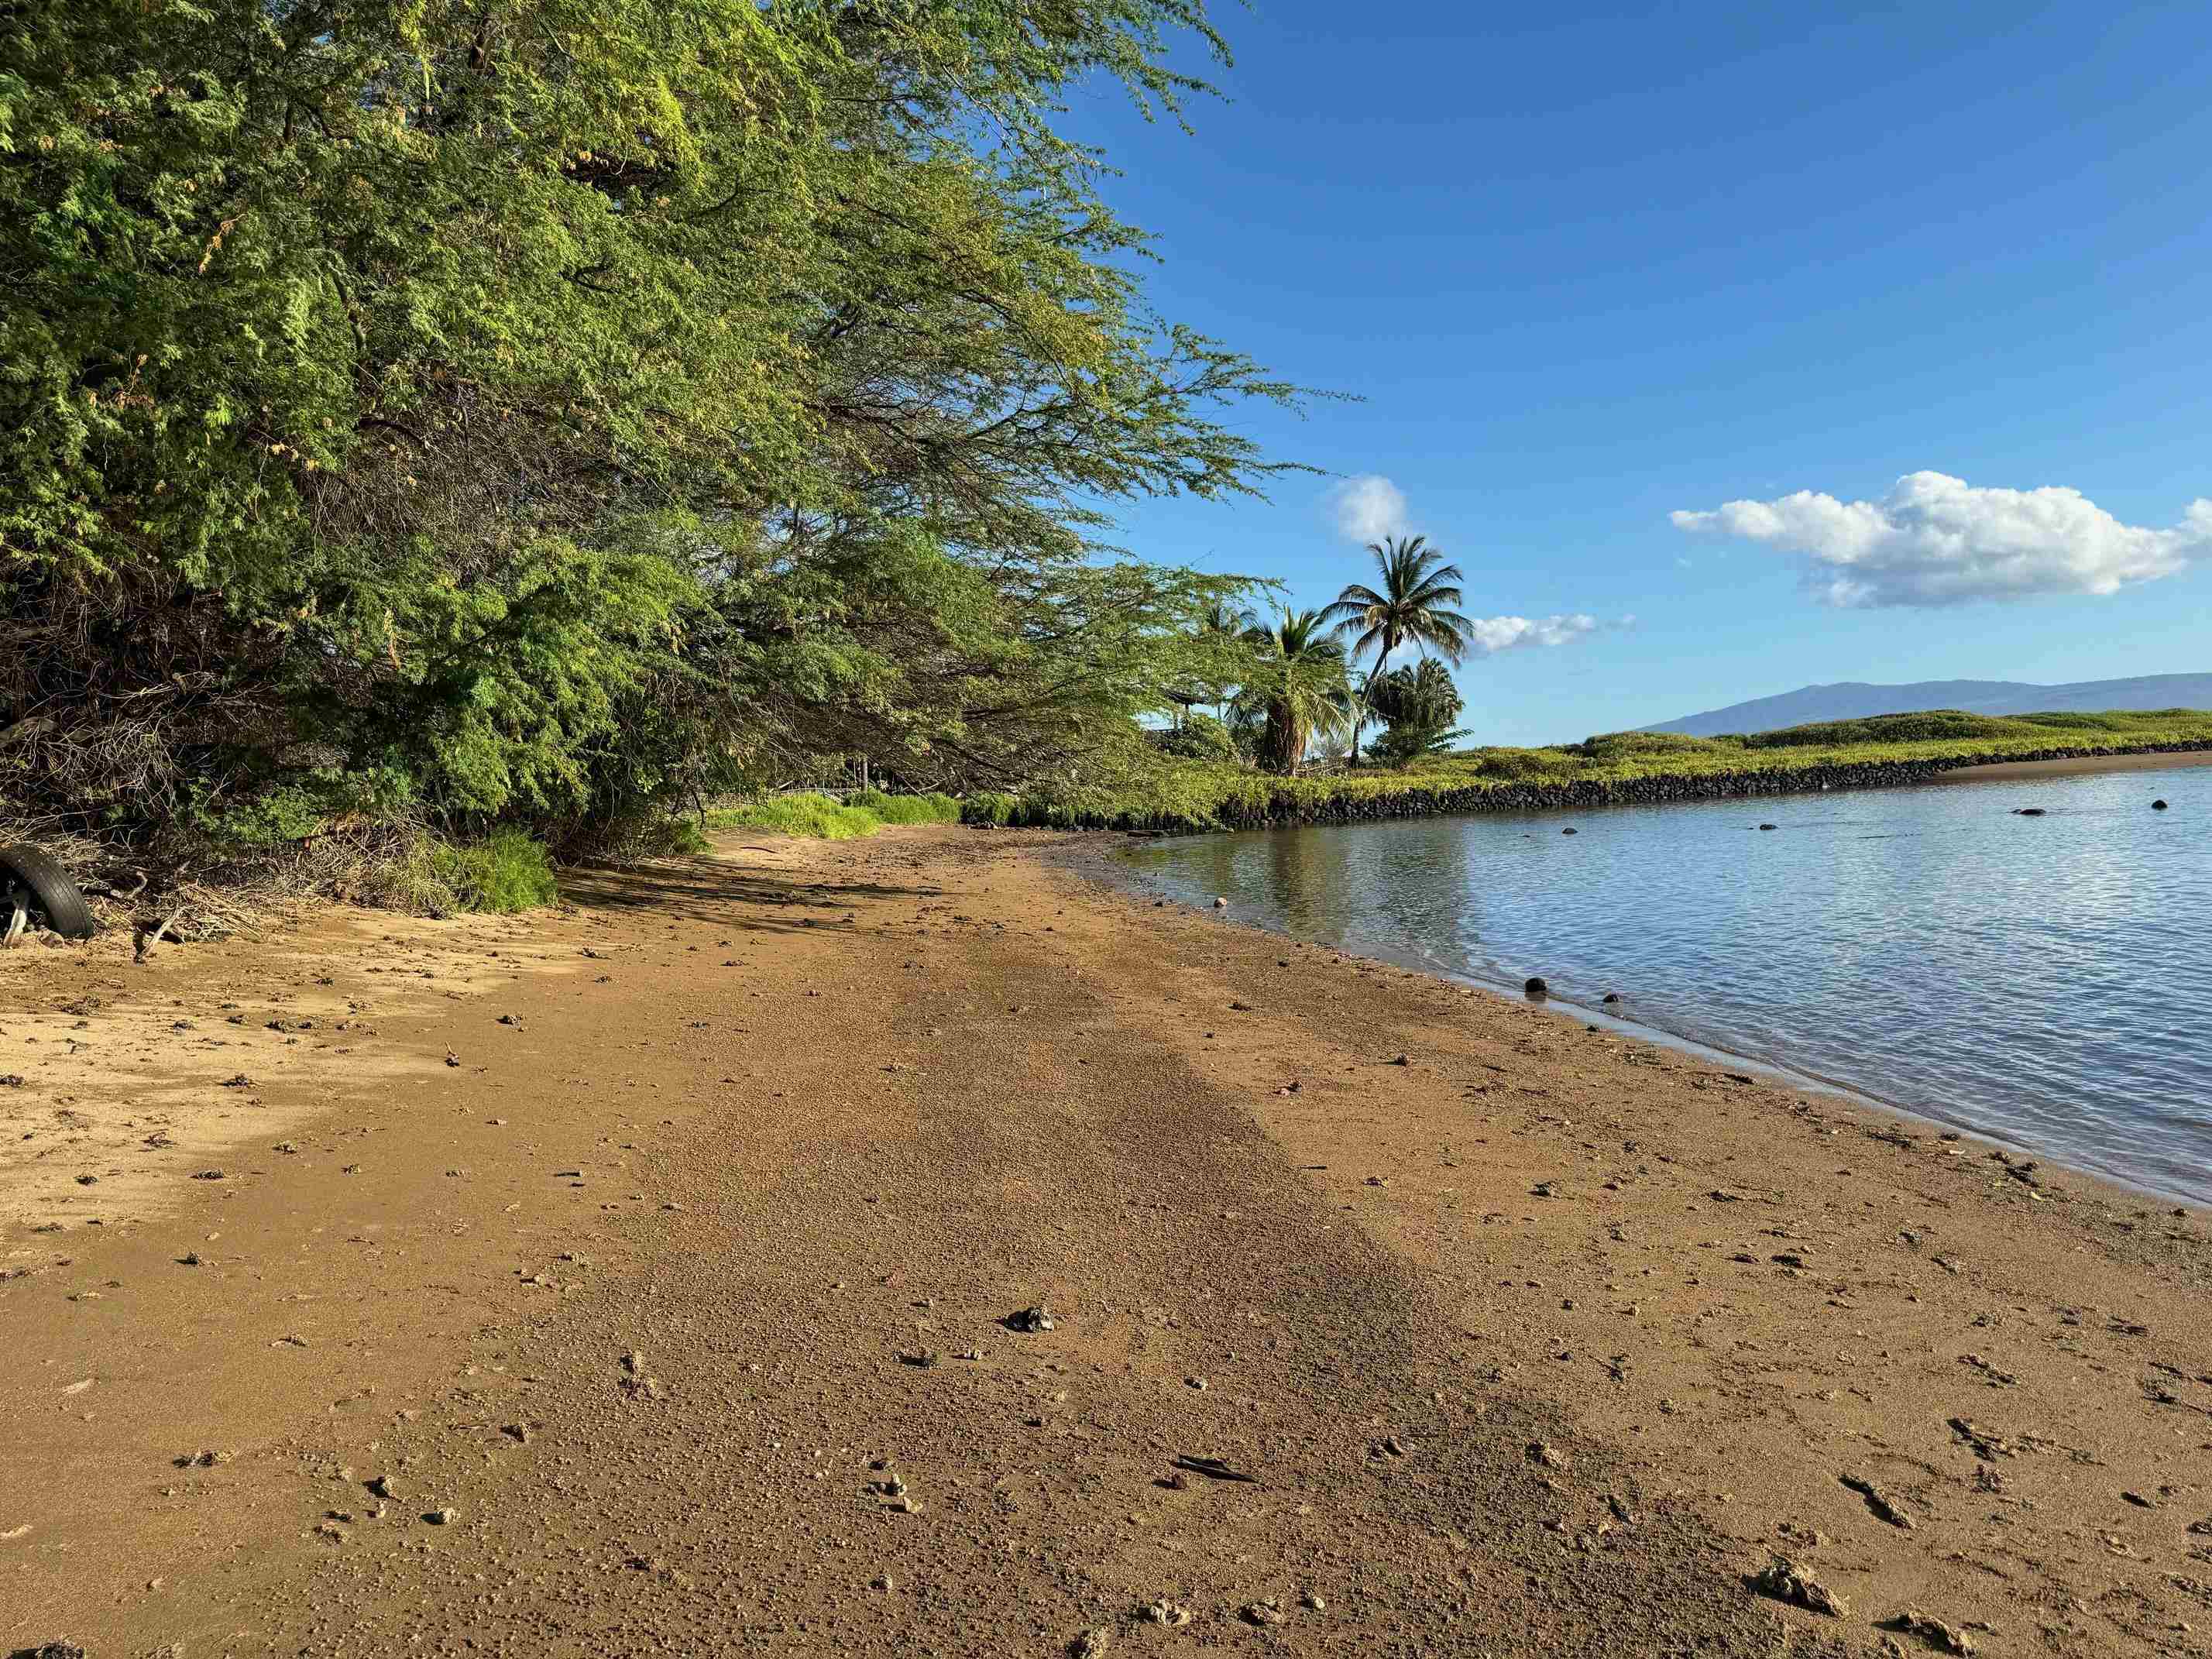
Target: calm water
[(2046, 980)]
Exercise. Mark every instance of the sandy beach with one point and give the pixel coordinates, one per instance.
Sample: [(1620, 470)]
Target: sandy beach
[(2074, 765), (657, 1276)]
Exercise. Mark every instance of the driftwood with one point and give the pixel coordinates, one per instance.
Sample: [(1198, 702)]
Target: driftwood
[(142, 942)]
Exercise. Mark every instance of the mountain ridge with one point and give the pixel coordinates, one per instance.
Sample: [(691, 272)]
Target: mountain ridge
[(1849, 700)]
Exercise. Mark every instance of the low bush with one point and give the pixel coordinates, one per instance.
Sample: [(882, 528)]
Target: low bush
[(906, 809), (502, 875), (814, 816)]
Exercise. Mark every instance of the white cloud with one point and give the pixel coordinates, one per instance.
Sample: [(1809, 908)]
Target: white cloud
[(1368, 508), (1936, 540), (1495, 633)]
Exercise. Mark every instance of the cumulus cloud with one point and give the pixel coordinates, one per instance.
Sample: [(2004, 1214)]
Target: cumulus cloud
[(1936, 540), (1495, 633), (1368, 508)]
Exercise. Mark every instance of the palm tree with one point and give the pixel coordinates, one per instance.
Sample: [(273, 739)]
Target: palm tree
[(1223, 620), (1299, 690), (1419, 703), (1412, 606), (1364, 690)]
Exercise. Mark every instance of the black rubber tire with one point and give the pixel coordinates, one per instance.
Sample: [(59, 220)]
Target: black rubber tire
[(58, 897)]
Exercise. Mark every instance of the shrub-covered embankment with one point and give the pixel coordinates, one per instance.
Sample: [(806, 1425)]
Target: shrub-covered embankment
[(1620, 769)]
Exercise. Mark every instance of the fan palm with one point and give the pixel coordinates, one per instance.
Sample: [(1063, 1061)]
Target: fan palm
[(1413, 605), (1299, 690)]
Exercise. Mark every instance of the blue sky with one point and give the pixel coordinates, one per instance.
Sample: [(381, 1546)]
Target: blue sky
[(1589, 268)]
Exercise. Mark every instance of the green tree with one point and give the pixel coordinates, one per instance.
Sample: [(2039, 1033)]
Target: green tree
[(1411, 606), (547, 411), (1298, 690), (1418, 703)]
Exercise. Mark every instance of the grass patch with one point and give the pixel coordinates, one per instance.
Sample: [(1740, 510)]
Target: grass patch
[(906, 809), (819, 816), (505, 873)]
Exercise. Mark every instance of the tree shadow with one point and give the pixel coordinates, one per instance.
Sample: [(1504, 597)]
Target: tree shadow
[(704, 888)]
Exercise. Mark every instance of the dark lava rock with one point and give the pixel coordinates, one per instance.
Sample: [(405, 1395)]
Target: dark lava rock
[(2158, 806), (1770, 826), (2027, 812), (1536, 986), (1613, 996), (1570, 832)]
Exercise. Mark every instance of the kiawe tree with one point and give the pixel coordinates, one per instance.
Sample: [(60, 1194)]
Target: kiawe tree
[(541, 411)]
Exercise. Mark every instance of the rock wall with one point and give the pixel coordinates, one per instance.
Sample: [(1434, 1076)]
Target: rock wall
[(1652, 792)]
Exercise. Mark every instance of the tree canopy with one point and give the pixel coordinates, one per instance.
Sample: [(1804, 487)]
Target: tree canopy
[(538, 411)]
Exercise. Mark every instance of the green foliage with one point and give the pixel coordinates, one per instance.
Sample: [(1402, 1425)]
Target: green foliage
[(1197, 737), (503, 874), (1411, 607), (1634, 745), (817, 817), (1417, 704), (564, 411), (1951, 725), (1934, 725), (1404, 744), (1191, 795), (906, 809), (1295, 690)]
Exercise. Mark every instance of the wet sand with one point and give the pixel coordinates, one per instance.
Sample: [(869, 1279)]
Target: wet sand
[(652, 1270), (2073, 766)]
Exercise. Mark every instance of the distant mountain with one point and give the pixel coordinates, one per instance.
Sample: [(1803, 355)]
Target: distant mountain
[(1852, 699)]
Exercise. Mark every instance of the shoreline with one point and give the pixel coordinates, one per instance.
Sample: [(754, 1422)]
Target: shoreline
[(2156, 760), (632, 1237), (1289, 809), (1107, 875)]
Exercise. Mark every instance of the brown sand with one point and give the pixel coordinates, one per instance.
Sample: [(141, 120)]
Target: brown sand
[(2000, 771), (680, 1293)]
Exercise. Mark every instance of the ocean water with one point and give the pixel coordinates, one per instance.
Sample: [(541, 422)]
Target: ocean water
[(2046, 980)]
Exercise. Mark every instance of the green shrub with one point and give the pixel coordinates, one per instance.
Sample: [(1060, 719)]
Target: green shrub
[(814, 816), (906, 809), (1201, 738), (991, 806), (685, 836), (1624, 745), (1929, 726), (505, 873)]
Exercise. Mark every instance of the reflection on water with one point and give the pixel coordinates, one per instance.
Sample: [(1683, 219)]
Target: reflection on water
[(2047, 980)]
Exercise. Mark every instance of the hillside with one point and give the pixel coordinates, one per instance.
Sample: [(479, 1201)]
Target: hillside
[(1852, 699)]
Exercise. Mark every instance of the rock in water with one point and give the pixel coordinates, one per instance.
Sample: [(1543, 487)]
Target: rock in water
[(1570, 832), (2158, 806), (1770, 826), (1536, 986), (2027, 812)]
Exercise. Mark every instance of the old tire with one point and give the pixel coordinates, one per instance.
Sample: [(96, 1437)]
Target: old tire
[(47, 889)]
